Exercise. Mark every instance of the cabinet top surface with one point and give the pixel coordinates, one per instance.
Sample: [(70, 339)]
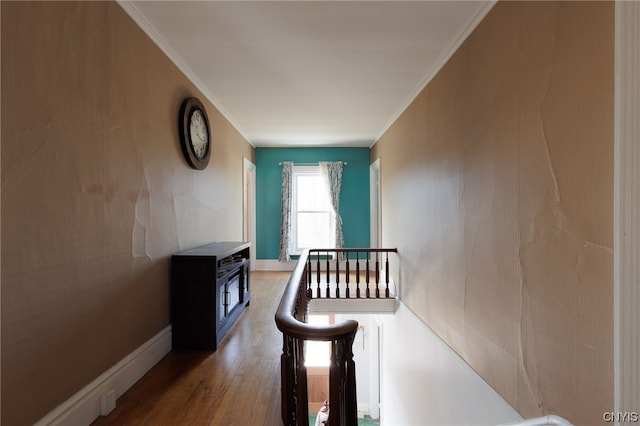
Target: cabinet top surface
[(218, 249)]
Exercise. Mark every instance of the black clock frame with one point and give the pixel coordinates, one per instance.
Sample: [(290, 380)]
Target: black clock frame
[(189, 105)]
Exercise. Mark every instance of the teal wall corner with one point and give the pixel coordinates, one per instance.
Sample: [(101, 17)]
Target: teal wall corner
[(354, 195)]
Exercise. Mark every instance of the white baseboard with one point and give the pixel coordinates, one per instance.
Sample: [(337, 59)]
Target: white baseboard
[(85, 406), (274, 265)]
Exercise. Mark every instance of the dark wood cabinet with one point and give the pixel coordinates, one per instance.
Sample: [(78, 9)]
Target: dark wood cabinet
[(209, 290)]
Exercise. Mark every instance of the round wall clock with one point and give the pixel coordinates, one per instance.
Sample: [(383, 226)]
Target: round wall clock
[(195, 135)]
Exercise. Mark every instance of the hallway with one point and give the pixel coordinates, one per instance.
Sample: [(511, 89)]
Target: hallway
[(239, 384)]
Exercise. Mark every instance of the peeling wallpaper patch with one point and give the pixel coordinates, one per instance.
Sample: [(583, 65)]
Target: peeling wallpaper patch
[(530, 307), (142, 220), (93, 182)]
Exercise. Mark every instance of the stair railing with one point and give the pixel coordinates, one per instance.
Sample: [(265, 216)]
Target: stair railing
[(291, 321), (356, 271)]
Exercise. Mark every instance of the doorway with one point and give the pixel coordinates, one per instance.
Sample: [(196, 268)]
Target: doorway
[(375, 204), (249, 208)]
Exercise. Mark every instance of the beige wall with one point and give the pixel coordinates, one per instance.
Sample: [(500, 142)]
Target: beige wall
[(497, 189), (95, 196)]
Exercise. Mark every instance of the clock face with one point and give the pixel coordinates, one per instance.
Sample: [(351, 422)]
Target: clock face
[(195, 133), (199, 134)]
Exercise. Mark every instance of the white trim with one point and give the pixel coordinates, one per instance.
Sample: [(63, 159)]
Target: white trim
[(315, 172), (374, 366), (541, 421), (375, 204), (249, 208), (473, 23), (275, 265), (381, 360), (627, 208), (248, 164), (131, 10), (85, 406), (354, 306)]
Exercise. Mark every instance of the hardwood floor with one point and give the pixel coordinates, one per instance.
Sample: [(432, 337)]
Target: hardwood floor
[(239, 384)]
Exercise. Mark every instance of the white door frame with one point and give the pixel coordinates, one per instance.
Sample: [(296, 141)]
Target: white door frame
[(249, 207), (626, 245), (375, 325), (375, 212), (375, 365)]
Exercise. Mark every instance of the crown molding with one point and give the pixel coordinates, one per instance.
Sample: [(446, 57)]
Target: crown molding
[(137, 16), (473, 23)]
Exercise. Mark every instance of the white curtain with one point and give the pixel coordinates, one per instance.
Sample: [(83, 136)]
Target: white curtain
[(285, 224), (332, 173)]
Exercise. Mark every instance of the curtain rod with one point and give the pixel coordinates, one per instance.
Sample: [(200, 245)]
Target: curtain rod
[(308, 164)]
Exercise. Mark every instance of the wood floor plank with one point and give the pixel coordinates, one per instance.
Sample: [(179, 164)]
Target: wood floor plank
[(239, 384)]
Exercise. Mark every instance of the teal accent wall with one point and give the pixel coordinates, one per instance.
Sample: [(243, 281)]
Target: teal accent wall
[(354, 196)]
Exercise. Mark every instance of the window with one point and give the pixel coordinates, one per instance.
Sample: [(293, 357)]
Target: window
[(313, 221)]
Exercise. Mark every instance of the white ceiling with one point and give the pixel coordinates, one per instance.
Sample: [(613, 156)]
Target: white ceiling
[(309, 73)]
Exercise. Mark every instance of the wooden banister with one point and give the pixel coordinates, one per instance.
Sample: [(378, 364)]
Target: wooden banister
[(290, 319)]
